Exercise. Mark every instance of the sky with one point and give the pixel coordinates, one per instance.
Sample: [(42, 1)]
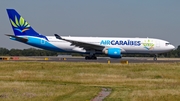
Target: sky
[(107, 18)]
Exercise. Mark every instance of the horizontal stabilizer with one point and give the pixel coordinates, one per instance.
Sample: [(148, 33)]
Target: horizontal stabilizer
[(18, 38)]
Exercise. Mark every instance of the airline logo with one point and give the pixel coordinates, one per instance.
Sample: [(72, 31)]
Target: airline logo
[(148, 44), (120, 42), (20, 24)]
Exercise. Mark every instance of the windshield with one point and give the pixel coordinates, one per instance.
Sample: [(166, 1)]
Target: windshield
[(167, 44)]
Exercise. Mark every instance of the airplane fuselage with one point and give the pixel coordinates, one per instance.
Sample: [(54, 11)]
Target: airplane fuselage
[(127, 45)]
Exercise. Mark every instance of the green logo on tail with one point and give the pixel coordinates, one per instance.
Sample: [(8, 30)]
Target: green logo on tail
[(20, 25)]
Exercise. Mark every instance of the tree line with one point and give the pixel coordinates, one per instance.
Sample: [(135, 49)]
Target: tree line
[(39, 52), (26, 52)]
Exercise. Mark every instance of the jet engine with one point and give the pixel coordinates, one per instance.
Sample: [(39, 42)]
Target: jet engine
[(113, 52)]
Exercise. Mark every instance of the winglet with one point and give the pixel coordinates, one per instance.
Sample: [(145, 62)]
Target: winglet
[(57, 36)]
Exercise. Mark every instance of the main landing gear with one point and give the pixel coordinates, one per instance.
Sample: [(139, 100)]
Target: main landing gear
[(155, 57), (91, 57)]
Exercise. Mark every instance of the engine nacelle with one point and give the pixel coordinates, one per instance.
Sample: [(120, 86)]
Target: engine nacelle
[(113, 52)]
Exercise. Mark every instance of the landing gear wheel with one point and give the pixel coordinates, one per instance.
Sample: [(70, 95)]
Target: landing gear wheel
[(94, 58), (155, 58), (87, 57), (91, 57)]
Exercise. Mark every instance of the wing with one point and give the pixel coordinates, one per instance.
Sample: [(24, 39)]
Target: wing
[(85, 45)]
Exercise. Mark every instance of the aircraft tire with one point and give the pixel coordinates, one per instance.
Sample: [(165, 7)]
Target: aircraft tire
[(90, 58)]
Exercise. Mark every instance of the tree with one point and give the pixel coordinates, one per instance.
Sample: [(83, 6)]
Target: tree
[(4, 51)]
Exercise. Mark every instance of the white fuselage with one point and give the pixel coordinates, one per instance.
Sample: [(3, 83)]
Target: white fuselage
[(127, 45)]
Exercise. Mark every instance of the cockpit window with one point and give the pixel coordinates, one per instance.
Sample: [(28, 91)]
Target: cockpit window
[(167, 44)]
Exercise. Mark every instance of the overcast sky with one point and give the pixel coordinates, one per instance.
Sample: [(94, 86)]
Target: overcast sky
[(117, 18)]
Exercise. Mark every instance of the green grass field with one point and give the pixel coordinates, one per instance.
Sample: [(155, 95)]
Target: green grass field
[(64, 81)]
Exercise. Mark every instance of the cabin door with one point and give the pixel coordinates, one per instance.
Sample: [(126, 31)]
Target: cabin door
[(157, 44)]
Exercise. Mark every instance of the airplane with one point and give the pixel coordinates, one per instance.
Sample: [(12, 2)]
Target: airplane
[(113, 47)]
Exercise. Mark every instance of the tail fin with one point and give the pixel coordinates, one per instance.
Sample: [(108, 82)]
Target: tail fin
[(19, 25)]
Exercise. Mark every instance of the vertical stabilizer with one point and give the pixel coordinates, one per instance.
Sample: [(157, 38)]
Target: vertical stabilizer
[(19, 25)]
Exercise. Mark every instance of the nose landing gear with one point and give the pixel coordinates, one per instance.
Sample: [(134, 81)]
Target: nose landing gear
[(155, 57)]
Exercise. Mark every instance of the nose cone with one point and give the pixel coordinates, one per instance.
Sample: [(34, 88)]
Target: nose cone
[(172, 47)]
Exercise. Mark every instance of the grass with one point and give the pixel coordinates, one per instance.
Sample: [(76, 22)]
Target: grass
[(64, 81)]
